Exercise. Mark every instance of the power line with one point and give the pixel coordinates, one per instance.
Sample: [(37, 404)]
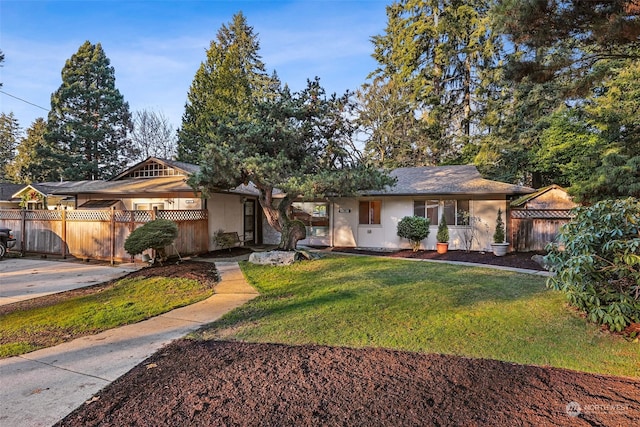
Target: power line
[(24, 100)]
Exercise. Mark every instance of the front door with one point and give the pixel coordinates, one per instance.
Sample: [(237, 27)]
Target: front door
[(249, 222)]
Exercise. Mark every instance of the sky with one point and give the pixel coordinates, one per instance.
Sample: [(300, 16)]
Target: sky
[(156, 46)]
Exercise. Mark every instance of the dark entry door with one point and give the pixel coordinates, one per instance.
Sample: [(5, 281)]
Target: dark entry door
[(250, 222)]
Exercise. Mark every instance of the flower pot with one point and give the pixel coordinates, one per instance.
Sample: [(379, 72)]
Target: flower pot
[(442, 248), (500, 249)]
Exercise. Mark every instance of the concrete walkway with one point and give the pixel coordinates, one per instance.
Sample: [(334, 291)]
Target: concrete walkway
[(42, 387)]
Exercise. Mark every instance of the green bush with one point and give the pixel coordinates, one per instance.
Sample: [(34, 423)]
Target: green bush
[(414, 228), (154, 235), (599, 265), (443, 231)]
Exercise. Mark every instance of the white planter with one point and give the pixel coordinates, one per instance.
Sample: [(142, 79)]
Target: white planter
[(500, 249)]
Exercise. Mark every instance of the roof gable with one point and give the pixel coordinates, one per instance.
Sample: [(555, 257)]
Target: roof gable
[(155, 167)]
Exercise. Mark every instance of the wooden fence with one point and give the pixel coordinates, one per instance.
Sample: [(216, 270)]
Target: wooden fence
[(533, 229), (99, 234)]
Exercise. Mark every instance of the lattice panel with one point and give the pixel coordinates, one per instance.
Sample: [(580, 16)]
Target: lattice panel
[(541, 214), (86, 215), (142, 216), (43, 215), (10, 214), (183, 215), (122, 216)]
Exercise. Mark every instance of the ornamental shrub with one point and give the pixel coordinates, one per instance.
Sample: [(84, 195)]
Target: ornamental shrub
[(498, 236), (597, 262), (443, 231), (154, 235), (414, 228)]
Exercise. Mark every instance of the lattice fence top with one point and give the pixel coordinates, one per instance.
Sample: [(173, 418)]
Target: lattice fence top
[(10, 214), (88, 215), (103, 215), (541, 214), (43, 215), (183, 215)]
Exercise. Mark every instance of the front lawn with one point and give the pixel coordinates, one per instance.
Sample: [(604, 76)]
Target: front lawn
[(121, 302), (423, 307)]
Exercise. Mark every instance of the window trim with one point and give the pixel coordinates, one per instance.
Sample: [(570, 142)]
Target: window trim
[(371, 214), (441, 207)]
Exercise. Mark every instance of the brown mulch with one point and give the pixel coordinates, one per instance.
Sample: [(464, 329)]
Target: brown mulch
[(221, 383), (514, 259)]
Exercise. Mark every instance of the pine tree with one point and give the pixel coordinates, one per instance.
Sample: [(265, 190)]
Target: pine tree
[(89, 120), (225, 86), (27, 165), (445, 53), (9, 137)]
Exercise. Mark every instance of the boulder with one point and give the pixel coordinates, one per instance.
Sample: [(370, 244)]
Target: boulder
[(541, 261), (273, 258)]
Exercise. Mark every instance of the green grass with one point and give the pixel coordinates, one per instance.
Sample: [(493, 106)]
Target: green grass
[(124, 302), (423, 307)]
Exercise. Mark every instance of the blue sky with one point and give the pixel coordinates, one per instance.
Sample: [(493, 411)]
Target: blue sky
[(156, 46)]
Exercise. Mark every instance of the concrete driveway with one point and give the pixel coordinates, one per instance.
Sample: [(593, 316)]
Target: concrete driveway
[(26, 278)]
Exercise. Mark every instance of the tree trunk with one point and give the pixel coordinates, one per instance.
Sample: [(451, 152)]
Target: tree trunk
[(291, 232)]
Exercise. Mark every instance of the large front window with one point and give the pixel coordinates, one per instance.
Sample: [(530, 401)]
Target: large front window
[(370, 212), (456, 212)]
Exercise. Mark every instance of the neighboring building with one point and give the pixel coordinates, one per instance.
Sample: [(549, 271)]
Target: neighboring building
[(7, 190)]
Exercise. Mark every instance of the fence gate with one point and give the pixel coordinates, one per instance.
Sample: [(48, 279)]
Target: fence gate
[(533, 229)]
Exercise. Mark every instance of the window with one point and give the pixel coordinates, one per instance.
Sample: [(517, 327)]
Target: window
[(314, 215), (456, 212), (370, 212)]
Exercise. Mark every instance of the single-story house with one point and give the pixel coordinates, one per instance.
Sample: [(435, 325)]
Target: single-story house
[(469, 203), (161, 184), (7, 190)]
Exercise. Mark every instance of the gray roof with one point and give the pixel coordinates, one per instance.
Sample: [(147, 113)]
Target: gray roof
[(443, 180), (8, 189)]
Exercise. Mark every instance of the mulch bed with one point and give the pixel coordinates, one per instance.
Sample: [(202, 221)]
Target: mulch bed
[(220, 383), (515, 259)]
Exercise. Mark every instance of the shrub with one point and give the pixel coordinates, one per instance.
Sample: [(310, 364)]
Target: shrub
[(498, 236), (443, 231), (599, 267), (154, 235), (414, 228), (223, 240)]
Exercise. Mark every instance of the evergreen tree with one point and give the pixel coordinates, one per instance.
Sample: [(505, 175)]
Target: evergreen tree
[(226, 85), (89, 120), (445, 52), (27, 164), (9, 137), (293, 142), (576, 34)]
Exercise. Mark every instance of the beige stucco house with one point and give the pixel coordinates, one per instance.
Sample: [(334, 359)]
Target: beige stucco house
[(469, 202)]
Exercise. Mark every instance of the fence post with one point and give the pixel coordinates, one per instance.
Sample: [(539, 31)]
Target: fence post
[(132, 225), (113, 234), (63, 218), (23, 239)]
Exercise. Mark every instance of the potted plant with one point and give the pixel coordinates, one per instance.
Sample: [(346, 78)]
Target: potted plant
[(499, 245), (443, 236)]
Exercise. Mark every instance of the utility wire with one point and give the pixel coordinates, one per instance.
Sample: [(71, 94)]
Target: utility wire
[(24, 100)]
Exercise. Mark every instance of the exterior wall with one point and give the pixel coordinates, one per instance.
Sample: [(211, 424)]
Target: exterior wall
[(347, 232), (225, 213)]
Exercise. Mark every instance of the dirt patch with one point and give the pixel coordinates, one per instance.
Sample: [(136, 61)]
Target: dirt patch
[(192, 383), (227, 253), (515, 259)]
